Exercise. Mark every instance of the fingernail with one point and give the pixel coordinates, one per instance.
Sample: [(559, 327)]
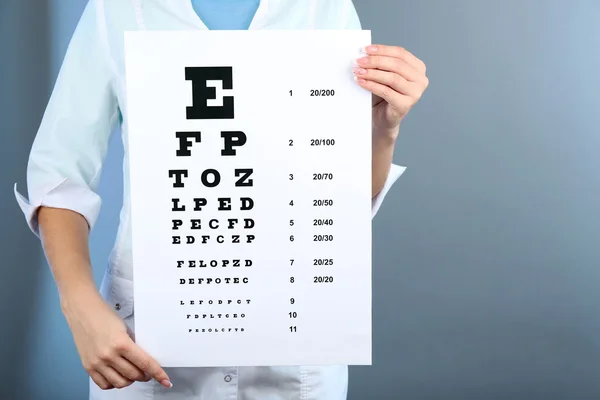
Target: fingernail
[(360, 71), (362, 60), (359, 80), (371, 49), (166, 383)]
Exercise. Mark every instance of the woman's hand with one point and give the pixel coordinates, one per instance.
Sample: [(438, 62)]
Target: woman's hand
[(107, 351), (397, 80)]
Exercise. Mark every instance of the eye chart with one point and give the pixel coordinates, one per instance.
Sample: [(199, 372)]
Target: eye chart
[(250, 159)]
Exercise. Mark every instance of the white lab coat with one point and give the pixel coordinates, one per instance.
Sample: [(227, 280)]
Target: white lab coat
[(65, 165)]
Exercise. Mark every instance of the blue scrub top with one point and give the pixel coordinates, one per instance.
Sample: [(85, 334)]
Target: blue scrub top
[(226, 14)]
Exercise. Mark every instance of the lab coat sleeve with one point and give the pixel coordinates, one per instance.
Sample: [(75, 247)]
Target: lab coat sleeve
[(352, 21), (67, 153)]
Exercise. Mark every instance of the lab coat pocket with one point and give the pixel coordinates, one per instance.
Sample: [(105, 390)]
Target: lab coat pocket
[(118, 293)]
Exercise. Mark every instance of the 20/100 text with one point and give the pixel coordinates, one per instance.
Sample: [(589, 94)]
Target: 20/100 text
[(322, 142)]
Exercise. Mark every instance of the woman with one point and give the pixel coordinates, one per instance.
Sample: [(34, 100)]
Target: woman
[(66, 163)]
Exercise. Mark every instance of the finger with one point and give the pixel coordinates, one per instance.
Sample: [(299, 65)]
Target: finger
[(128, 370), (397, 52), (395, 81), (114, 377), (397, 100), (147, 364), (390, 64), (100, 380)]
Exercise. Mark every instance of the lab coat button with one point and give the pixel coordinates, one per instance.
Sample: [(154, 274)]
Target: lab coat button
[(227, 378), (118, 306)]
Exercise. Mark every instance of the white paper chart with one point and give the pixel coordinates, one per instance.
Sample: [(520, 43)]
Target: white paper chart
[(250, 159)]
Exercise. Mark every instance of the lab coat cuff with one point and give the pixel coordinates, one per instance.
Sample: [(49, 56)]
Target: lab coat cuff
[(67, 195), (395, 172)]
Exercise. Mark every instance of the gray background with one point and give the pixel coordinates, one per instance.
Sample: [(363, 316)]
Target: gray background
[(486, 264)]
